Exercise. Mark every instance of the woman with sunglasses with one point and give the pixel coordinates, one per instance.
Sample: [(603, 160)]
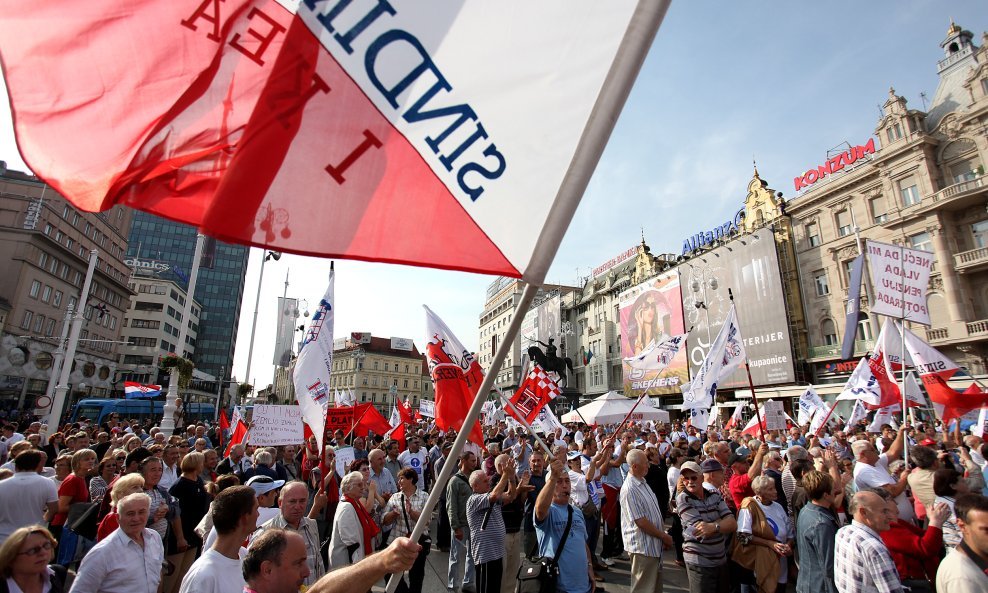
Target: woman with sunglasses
[(24, 562)]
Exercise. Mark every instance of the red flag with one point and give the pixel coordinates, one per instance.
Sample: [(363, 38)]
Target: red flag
[(224, 425), (533, 394), (398, 434), (404, 410), (236, 438), (883, 368), (935, 370), (369, 419), (735, 417), (456, 375)]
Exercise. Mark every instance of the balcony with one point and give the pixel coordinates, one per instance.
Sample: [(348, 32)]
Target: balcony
[(958, 191), (860, 348), (958, 331), (970, 261)]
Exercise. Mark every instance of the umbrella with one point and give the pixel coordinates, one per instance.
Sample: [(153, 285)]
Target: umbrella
[(612, 407)]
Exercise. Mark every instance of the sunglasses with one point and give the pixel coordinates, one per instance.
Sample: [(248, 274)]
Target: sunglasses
[(46, 547)]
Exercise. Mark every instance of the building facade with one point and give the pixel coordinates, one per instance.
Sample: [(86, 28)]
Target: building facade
[(219, 288), (919, 183), (45, 247), (152, 325), (376, 369)]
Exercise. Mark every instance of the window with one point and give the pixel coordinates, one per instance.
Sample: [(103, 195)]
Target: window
[(980, 232), (829, 331), (146, 342), (921, 241), (35, 289), (878, 213), (894, 132), (964, 171), (145, 324), (75, 219), (375, 365), (50, 329), (72, 302), (844, 227), (48, 229), (26, 321), (59, 236), (909, 192), (65, 212), (39, 323), (43, 260), (820, 279), (864, 328), (57, 301), (46, 294)]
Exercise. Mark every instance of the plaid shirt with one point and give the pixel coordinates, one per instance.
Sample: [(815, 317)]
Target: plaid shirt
[(862, 563)]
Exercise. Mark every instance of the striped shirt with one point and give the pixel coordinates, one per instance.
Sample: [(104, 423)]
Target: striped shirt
[(637, 502), (862, 563), (486, 544), (707, 551)]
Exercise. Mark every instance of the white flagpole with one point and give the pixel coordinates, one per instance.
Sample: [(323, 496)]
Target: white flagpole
[(168, 419), (527, 296), (902, 354), (521, 420)]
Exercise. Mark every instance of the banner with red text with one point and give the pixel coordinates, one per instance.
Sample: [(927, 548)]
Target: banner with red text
[(899, 277)]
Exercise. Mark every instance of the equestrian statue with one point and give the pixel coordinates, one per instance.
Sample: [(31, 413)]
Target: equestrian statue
[(549, 361)]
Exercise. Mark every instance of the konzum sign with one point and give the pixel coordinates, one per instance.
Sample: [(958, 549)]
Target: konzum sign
[(843, 160)]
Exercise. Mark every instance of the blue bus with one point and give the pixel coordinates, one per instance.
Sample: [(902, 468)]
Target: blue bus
[(96, 410)]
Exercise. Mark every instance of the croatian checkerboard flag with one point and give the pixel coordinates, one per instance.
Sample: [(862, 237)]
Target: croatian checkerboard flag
[(445, 133), (535, 392)]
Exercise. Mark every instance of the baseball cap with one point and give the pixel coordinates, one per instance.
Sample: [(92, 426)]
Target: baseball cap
[(710, 466), (691, 466), (736, 457), (264, 484), (572, 455)]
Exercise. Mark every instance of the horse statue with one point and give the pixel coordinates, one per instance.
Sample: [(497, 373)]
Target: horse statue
[(550, 362)]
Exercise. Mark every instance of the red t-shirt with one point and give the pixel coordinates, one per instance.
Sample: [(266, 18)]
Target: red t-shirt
[(75, 487), (108, 525), (740, 487)]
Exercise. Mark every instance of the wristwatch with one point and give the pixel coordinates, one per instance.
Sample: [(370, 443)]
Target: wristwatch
[(717, 527)]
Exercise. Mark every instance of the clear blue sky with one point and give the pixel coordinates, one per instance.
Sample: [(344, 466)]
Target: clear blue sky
[(725, 81)]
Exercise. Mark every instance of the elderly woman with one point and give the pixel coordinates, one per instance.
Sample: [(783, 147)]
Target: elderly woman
[(24, 562), (164, 512), (948, 484), (263, 466), (371, 499), (124, 486), (74, 488), (764, 538), (402, 511), (63, 468), (100, 483), (916, 552), (353, 527)]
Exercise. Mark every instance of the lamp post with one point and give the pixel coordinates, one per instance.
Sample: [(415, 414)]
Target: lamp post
[(168, 419), (275, 255)]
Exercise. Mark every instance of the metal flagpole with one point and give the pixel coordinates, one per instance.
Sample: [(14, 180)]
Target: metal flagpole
[(902, 354), (527, 296), (56, 365), (168, 420), (872, 321), (58, 401)]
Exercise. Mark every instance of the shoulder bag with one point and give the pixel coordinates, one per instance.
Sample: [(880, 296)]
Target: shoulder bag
[(426, 540), (542, 574)]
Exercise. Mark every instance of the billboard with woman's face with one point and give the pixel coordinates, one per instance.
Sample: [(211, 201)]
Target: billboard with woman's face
[(649, 313)]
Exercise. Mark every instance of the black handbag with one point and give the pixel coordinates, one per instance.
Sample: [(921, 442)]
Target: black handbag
[(542, 574), (425, 540), (82, 519)]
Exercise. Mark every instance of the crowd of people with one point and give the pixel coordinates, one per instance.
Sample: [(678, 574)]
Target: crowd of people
[(120, 506)]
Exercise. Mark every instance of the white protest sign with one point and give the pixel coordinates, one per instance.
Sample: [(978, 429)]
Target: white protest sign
[(900, 277), (276, 425), (775, 415), (344, 457), (979, 428), (427, 408)]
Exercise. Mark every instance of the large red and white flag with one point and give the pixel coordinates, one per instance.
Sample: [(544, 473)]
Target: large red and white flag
[(535, 391), (735, 419), (314, 365), (935, 370), (456, 377), (883, 363), (350, 129)]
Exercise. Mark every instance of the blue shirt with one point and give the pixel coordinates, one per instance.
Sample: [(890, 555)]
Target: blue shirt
[(573, 571)]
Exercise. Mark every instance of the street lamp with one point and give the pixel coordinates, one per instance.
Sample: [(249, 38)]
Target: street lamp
[(275, 255)]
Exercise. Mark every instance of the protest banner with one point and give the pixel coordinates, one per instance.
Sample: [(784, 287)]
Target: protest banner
[(344, 457), (775, 415), (276, 425), (427, 408), (339, 419), (900, 277)]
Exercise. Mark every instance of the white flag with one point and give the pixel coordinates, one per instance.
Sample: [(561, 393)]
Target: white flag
[(657, 356), (857, 413), (978, 429), (546, 422), (314, 365), (725, 355), (882, 417), (809, 403), (862, 386)]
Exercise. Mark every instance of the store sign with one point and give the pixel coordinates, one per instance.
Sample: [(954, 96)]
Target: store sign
[(707, 238), (844, 160), (614, 261), (147, 265), (360, 337), (402, 344), (838, 368), (32, 215)]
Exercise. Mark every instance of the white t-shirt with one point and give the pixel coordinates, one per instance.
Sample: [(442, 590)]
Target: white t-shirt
[(672, 479), (876, 476), (578, 489), (24, 497), (214, 573), (415, 461), (263, 516), (781, 525)]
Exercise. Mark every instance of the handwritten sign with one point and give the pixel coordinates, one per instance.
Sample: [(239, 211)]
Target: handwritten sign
[(775, 415), (900, 277), (344, 457), (276, 425), (427, 408)]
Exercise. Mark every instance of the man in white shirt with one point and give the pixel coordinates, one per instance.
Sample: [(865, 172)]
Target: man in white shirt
[(129, 560), (170, 470), (872, 471), (218, 569), (413, 457), (27, 498)]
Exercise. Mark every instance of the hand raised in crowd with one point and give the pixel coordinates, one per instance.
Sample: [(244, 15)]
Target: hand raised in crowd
[(763, 450), (557, 467), (829, 458), (400, 555), (939, 514), (523, 485)]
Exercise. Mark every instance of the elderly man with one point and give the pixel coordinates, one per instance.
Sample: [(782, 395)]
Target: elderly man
[(237, 463), (27, 498), (815, 532), (862, 563), (458, 492), (234, 515), (127, 561), (292, 503), (384, 483), (744, 474), (872, 471), (963, 570), (642, 531), (486, 524), (555, 519), (706, 521)]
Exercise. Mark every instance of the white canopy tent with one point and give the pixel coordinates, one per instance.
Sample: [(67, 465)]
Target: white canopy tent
[(612, 407)]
